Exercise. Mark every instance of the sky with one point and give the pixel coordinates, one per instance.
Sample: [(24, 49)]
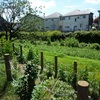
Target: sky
[(66, 6)]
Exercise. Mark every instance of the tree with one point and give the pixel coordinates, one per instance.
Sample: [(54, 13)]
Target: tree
[(32, 22), (12, 11)]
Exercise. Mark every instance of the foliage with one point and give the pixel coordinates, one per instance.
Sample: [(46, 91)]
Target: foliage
[(27, 82), (5, 47), (82, 45), (72, 42), (48, 41), (95, 46), (21, 59), (30, 55), (12, 11), (53, 89), (87, 36)]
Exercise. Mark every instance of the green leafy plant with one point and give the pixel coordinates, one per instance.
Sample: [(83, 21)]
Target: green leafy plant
[(72, 42), (48, 41), (21, 59), (52, 89), (30, 55), (27, 82)]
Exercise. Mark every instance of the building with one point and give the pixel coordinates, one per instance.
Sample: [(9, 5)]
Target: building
[(53, 21), (99, 20), (75, 20)]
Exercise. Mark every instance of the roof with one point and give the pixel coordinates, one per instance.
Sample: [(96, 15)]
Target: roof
[(54, 15), (78, 12)]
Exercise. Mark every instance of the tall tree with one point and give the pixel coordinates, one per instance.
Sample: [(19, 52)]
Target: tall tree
[(12, 11)]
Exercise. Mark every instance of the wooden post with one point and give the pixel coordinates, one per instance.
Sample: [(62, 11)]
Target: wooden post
[(8, 69), (56, 67), (75, 75), (99, 89), (42, 62), (21, 53), (82, 90), (13, 46)]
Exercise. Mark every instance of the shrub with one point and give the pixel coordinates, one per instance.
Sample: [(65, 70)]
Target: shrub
[(72, 42), (82, 45), (55, 35), (48, 41), (21, 59), (62, 43), (87, 36), (95, 46), (52, 89), (27, 82), (30, 55), (7, 48)]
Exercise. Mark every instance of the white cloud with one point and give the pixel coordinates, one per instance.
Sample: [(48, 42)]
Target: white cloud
[(93, 1), (46, 4)]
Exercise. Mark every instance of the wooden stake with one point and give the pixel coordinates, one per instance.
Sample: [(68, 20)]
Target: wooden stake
[(75, 75), (42, 62), (82, 90), (8, 69), (56, 67)]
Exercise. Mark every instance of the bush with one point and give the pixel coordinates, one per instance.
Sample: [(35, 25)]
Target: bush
[(6, 47), (82, 45), (72, 42), (21, 59), (27, 82), (95, 46), (55, 35), (48, 41), (53, 89), (30, 55), (87, 36)]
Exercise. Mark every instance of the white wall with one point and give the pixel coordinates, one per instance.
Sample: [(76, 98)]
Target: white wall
[(51, 24), (69, 23)]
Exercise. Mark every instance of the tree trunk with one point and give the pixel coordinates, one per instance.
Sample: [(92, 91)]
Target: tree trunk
[(6, 35), (10, 35)]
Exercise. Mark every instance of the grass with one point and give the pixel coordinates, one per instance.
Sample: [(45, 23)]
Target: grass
[(7, 91), (66, 55), (2, 76)]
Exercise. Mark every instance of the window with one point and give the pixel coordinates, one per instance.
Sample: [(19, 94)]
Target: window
[(47, 27), (78, 17), (67, 27), (81, 25), (75, 19), (84, 16)]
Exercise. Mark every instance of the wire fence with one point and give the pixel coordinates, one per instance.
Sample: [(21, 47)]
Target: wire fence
[(47, 61)]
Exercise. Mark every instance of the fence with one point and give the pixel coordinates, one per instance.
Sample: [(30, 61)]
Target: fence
[(81, 87)]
